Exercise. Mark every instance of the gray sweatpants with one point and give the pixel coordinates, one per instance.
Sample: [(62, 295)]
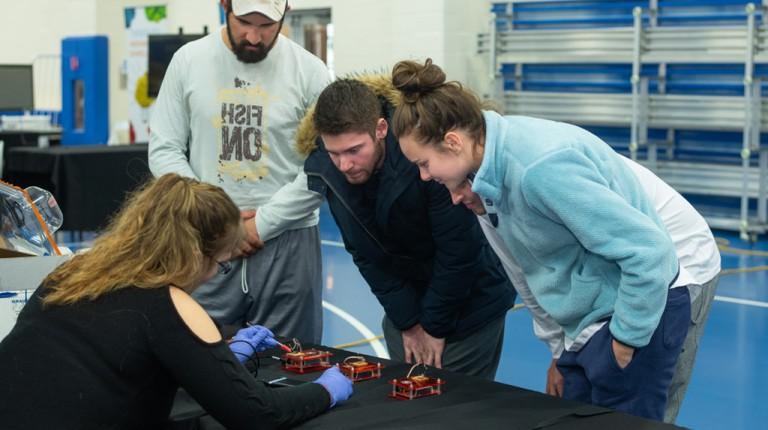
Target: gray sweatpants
[(476, 355), (279, 287), (700, 308)]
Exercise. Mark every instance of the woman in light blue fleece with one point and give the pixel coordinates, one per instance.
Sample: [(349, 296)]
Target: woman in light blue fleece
[(593, 250)]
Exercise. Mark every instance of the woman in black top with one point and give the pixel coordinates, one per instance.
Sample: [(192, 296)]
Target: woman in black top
[(110, 335)]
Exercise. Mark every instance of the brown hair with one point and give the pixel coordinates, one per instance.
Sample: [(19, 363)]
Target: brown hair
[(431, 106), (347, 105), (159, 238)]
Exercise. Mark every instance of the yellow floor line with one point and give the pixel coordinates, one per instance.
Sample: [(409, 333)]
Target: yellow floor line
[(358, 342), (743, 270), (724, 246)]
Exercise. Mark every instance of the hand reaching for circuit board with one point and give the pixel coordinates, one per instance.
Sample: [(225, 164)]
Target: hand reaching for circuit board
[(338, 386), (250, 340), (421, 347)]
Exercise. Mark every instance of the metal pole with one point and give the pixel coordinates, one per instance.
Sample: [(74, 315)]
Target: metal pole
[(762, 205), (670, 144), (635, 80), (652, 154), (762, 166), (494, 72), (746, 151), (492, 68), (653, 9)]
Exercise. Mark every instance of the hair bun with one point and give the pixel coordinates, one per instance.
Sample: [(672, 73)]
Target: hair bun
[(413, 79)]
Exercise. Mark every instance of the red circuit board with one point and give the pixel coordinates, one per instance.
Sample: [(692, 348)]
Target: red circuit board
[(415, 387), (309, 360)]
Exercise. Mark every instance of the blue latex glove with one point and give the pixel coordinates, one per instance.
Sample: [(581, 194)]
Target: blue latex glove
[(251, 340), (337, 385)]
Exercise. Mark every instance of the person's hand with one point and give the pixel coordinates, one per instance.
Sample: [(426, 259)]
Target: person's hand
[(339, 387), (250, 340), (623, 353), (421, 347), (555, 380), (251, 240)]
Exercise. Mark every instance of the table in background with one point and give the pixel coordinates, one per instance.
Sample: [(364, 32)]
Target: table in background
[(466, 403), (38, 138), (89, 181)]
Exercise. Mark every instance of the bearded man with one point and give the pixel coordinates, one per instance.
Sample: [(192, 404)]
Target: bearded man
[(227, 114)]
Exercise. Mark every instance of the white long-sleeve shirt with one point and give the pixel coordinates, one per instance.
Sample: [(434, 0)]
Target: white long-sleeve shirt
[(696, 249), (238, 123)]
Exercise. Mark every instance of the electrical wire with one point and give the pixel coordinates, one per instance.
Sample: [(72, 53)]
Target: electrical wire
[(253, 358)]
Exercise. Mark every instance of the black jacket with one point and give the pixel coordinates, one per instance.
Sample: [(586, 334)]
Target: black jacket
[(425, 259)]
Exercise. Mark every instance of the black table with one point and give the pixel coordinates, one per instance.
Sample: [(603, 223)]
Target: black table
[(27, 138), (466, 403), (88, 181)]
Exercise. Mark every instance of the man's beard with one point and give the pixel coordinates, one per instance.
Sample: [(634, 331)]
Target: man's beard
[(251, 56), (367, 174)]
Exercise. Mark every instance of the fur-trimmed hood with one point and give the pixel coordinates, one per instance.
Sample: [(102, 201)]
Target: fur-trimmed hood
[(380, 84)]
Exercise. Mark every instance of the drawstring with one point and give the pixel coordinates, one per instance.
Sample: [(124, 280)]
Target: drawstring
[(243, 277)]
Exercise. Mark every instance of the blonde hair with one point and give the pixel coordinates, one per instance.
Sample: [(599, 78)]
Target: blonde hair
[(431, 107), (162, 236)]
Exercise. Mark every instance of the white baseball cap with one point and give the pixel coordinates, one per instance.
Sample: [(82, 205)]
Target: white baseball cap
[(272, 9)]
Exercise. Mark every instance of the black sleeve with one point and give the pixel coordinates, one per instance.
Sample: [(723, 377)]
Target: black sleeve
[(458, 258), (401, 302), (224, 388)]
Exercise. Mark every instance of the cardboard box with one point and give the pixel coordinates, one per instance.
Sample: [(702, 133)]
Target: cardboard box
[(20, 275), (20, 271), (11, 303)]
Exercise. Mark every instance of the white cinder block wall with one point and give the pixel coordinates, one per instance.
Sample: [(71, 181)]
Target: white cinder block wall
[(29, 28), (375, 34), (31, 33), (370, 35)]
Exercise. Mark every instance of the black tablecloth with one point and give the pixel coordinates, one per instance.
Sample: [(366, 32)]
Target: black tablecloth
[(26, 138), (466, 403), (89, 181)]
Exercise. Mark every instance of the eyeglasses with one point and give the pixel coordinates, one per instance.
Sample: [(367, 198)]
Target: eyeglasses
[(224, 267)]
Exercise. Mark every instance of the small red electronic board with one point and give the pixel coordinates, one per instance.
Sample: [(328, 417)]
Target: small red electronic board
[(414, 387), (305, 360), (357, 369)]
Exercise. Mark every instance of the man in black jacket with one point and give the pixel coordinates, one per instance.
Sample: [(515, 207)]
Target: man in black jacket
[(443, 290)]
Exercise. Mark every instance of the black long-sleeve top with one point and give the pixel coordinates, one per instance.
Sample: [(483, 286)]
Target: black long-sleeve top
[(116, 363)]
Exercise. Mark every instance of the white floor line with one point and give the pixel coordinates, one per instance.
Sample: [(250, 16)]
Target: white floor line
[(332, 243), (741, 301), (377, 346)]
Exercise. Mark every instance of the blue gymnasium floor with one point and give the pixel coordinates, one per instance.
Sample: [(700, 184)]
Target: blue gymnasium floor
[(730, 381)]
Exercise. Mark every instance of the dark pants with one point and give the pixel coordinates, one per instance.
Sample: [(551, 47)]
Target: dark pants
[(700, 307), (593, 376), (477, 355), (282, 289)]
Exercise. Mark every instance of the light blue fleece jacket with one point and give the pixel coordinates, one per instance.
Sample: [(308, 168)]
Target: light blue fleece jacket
[(579, 224)]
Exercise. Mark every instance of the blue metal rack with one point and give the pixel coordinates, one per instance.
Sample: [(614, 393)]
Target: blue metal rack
[(676, 84)]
